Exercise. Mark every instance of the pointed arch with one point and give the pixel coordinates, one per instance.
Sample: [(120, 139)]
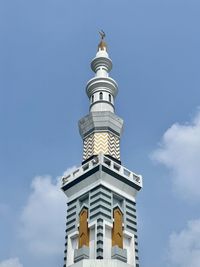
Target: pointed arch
[(83, 239), (117, 231)]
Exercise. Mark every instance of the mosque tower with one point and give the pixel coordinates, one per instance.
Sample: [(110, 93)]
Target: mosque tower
[(101, 227)]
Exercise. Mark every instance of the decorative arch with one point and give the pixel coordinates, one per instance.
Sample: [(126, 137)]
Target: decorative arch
[(83, 239), (117, 231)]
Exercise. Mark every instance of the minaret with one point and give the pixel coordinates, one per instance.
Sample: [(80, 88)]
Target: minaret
[(101, 228)]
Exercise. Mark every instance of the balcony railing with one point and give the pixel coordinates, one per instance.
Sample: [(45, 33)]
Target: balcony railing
[(109, 163)]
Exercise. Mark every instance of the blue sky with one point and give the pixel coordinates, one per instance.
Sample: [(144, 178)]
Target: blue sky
[(45, 53)]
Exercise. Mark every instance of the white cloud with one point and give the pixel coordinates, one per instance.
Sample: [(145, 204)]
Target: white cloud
[(184, 247), (69, 170), (43, 217), (11, 263), (180, 152)]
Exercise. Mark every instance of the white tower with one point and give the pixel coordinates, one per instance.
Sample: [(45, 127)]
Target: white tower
[(101, 228)]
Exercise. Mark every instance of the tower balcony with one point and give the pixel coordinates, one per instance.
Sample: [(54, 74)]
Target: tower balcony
[(106, 171)]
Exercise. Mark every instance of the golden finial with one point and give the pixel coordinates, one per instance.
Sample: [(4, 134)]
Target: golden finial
[(102, 45)]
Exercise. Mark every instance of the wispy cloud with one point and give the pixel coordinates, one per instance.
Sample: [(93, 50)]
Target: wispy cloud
[(184, 247), (43, 217), (179, 151), (13, 262)]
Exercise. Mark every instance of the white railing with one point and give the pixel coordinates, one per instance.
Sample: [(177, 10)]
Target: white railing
[(109, 163), (122, 171)]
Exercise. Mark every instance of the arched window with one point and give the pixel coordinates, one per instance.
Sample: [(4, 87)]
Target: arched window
[(109, 98), (92, 98), (101, 96)]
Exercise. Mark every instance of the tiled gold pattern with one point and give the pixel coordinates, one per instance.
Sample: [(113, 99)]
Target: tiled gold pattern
[(102, 142)]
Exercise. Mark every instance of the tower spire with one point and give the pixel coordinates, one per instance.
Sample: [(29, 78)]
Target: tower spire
[(101, 89), (102, 45), (101, 129), (102, 34)]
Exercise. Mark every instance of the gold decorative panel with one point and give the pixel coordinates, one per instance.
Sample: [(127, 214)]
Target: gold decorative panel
[(117, 231), (83, 229), (102, 142)]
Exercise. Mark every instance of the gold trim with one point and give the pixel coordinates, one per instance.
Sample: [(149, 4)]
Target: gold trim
[(117, 231), (83, 239)]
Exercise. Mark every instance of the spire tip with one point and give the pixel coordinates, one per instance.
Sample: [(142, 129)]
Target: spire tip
[(102, 34), (102, 45)]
